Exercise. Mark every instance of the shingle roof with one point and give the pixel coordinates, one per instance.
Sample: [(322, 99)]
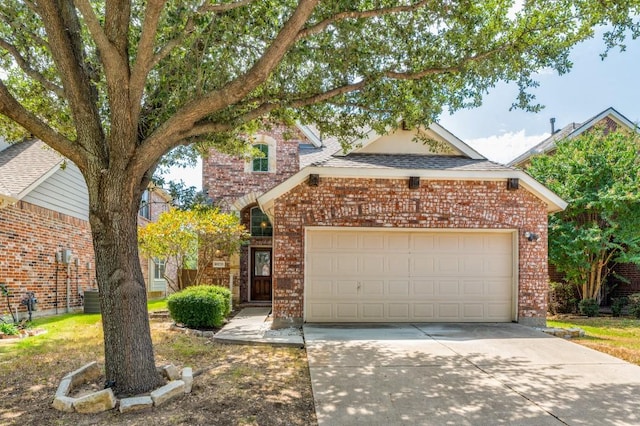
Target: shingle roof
[(309, 154), (23, 164), (411, 161), (546, 145)]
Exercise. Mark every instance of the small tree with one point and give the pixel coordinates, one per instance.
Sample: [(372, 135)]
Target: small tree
[(179, 236), (598, 173)]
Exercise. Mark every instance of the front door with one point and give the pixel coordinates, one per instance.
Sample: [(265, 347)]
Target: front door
[(261, 274)]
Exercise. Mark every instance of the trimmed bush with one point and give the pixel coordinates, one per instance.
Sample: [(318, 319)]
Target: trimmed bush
[(8, 329), (634, 305), (201, 306), (589, 307)]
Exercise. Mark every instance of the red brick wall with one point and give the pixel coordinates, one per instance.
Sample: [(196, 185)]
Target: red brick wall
[(224, 176), (389, 202), (30, 236)]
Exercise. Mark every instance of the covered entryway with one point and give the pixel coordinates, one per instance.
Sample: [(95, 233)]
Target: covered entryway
[(409, 275)]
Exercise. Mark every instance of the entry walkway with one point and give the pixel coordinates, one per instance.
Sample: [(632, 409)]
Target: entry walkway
[(250, 327)]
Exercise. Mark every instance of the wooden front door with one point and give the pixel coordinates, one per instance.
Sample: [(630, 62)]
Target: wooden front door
[(261, 269)]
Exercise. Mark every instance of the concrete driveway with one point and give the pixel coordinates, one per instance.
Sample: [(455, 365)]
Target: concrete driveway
[(465, 374)]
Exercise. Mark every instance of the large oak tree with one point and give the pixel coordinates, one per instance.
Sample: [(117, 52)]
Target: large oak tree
[(114, 85)]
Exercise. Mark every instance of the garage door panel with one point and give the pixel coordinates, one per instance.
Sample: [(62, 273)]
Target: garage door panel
[(399, 288), (422, 288), (379, 276)]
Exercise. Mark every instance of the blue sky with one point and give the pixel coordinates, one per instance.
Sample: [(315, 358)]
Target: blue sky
[(592, 86)]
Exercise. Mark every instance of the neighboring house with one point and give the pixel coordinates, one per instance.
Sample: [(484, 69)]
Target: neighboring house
[(391, 231), (611, 120), (45, 237)]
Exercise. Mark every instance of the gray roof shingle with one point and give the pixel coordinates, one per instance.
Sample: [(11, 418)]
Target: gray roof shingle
[(23, 164), (411, 161)]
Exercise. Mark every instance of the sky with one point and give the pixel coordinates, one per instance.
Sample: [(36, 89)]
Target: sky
[(592, 86)]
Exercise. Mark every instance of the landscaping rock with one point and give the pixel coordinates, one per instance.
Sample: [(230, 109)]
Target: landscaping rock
[(187, 378), (96, 402), (166, 392), (171, 372), (64, 403), (84, 374), (137, 403), (64, 387)]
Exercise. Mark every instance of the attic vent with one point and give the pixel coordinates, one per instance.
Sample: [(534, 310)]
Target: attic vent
[(314, 179), (513, 184), (414, 182)]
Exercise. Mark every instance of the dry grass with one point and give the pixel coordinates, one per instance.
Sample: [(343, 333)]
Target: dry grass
[(235, 385), (619, 337)]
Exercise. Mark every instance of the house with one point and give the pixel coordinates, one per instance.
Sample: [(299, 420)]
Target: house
[(45, 237), (393, 230), (611, 120)]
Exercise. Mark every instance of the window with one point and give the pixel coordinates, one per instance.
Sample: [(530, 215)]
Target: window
[(144, 205), (261, 164), (260, 225), (158, 269)]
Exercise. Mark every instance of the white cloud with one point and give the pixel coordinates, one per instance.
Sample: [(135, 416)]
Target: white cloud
[(191, 176), (506, 146)]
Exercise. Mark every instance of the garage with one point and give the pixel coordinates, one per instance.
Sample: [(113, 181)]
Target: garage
[(395, 275)]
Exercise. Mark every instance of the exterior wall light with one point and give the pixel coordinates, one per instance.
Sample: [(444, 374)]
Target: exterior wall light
[(531, 236)]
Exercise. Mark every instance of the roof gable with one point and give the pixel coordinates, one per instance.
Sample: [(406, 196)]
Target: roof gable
[(434, 140), (24, 166), (573, 130)]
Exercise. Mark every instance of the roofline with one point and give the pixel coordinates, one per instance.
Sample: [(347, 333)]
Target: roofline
[(46, 175), (575, 133), (554, 202), (452, 139), (313, 138)]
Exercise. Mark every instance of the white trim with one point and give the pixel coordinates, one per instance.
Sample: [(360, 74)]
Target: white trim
[(615, 115), (313, 138), (515, 284), (272, 150), (448, 137), (554, 203), (38, 181)]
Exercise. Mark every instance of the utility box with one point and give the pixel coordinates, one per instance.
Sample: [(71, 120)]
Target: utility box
[(66, 256)]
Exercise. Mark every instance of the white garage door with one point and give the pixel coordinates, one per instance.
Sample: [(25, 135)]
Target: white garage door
[(387, 276)]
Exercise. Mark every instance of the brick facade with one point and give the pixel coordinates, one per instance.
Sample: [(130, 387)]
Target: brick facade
[(224, 177), (30, 236), (380, 203)]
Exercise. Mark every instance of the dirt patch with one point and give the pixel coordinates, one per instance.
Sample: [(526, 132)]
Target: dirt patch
[(233, 385)]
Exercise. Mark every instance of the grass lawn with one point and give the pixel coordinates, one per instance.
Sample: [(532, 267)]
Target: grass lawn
[(234, 385), (619, 337)]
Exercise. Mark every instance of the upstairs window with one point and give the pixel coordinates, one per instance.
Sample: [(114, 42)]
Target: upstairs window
[(158, 269), (144, 205), (260, 224), (261, 164)]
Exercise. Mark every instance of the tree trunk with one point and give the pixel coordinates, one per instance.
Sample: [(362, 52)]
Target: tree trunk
[(129, 359)]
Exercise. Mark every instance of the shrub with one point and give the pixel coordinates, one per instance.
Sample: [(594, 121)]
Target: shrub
[(617, 305), (562, 298), (634, 305), (200, 306), (8, 328), (589, 307)]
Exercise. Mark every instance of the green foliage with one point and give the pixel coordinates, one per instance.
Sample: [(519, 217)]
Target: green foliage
[(8, 328), (634, 305), (562, 298), (589, 307), (598, 174), (182, 237), (199, 306), (617, 305)]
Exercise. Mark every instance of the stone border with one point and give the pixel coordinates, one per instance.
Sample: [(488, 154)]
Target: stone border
[(192, 332), (105, 400), (567, 333)]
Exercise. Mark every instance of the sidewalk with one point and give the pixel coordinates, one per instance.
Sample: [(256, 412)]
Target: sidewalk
[(250, 327)]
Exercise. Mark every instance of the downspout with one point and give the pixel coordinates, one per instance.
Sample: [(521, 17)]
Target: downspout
[(68, 287)]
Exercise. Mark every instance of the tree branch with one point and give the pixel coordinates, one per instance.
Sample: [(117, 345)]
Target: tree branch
[(31, 72), (144, 59), (114, 65), (171, 132), (13, 109), (322, 25)]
